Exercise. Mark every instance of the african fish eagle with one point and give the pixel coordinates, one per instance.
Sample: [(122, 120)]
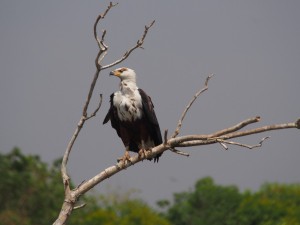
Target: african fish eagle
[(132, 115)]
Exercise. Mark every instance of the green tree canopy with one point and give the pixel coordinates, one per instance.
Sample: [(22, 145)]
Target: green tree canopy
[(30, 191), (128, 212), (117, 208), (273, 204), (208, 203)]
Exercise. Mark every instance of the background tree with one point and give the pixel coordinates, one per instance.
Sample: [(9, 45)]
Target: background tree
[(209, 203), (273, 204), (29, 188), (31, 192), (113, 209)]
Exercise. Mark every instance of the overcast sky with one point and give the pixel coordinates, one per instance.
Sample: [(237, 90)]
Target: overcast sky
[(47, 54)]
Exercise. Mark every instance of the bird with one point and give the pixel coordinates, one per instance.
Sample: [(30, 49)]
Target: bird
[(132, 115)]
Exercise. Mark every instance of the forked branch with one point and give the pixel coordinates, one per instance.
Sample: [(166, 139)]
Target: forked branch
[(139, 44), (71, 196), (222, 142), (189, 106)]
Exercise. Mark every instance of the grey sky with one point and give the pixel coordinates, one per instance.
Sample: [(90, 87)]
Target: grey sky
[(47, 56)]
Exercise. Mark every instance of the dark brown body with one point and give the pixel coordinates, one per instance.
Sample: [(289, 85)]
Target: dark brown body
[(138, 134)]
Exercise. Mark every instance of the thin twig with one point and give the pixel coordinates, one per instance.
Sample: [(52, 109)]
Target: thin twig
[(197, 140), (166, 137), (236, 127), (259, 130), (189, 106), (96, 110), (80, 206), (82, 182), (223, 145), (179, 152), (139, 44), (99, 17), (101, 53), (221, 141), (103, 48)]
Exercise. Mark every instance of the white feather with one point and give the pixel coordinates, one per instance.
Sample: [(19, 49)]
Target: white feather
[(129, 107), (128, 100)]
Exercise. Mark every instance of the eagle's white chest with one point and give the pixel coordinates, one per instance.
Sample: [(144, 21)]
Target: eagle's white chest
[(129, 106)]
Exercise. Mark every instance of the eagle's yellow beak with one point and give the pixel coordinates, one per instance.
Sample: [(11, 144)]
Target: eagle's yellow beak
[(115, 73)]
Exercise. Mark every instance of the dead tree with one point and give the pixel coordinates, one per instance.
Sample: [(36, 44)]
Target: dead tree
[(221, 137)]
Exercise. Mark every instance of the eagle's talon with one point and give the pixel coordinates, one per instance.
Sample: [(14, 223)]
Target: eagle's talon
[(142, 153), (125, 158), (145, 153)]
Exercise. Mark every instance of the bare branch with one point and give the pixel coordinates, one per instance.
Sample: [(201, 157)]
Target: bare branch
[(221, 141), (82, 182), (80, 206), (231, 131), (223, 145), (184, 141), (179, 152), (139, 44), (101, 53), (71, 196), (166, 137), (101, 16), (236, 127), (189, 106), (70, 200), (64, 173), (96, 110), (103, 48), (172, 143), (259, 130), (196, 140)]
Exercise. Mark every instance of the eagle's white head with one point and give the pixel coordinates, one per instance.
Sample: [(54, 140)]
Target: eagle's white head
[(125, 74)]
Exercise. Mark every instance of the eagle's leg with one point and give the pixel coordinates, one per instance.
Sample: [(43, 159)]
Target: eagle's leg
[(142, 152), (126, 157)]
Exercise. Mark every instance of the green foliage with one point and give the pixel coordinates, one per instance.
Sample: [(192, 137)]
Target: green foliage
[(117, 208), (31, 193), (275, 204), (29, 190), (208, 203)]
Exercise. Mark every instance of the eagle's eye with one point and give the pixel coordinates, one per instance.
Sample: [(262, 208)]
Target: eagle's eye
[(122, 70)]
